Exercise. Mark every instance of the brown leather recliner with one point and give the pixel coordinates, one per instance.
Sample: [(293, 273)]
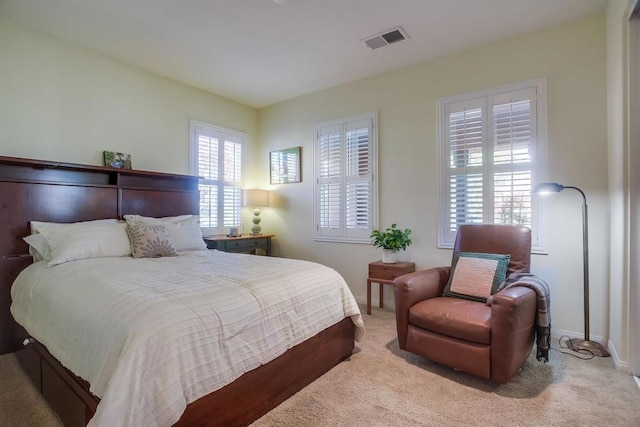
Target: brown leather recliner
[(490, 341)]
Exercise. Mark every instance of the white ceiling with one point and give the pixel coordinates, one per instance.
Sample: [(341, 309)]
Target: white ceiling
[(259, 52)]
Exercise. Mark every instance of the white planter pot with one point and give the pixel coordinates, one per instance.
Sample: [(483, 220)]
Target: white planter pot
[(389, 256)]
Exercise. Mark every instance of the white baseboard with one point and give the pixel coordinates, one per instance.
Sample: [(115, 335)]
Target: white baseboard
[(375, 300), (619, 364), (556, 334)]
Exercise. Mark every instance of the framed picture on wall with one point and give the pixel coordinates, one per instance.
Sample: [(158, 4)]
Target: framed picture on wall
[(117, 160), (285, 165)]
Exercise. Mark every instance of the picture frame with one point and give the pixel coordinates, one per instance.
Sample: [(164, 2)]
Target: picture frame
[(114, 159), (285, 165)]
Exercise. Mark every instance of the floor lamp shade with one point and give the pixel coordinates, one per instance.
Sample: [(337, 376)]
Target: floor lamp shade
[(256, 198), (576, 343)]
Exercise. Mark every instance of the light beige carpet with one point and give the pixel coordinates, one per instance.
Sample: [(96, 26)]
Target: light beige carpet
[(21, 405), (383, 386)]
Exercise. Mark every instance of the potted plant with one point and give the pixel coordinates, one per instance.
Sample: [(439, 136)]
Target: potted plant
[(391, 241)]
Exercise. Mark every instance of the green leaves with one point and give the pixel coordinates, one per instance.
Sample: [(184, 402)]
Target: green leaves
[(391, 238)]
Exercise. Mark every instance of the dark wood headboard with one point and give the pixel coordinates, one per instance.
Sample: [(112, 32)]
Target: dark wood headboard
[(36, 190)]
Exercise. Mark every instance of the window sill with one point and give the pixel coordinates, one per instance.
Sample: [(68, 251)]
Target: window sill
[(535, 250), (342, 240)]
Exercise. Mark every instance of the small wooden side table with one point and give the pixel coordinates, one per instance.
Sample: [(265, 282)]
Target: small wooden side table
[(384, 274)]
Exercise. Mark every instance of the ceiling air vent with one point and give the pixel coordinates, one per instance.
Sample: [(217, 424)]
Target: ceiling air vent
[(388, 37)]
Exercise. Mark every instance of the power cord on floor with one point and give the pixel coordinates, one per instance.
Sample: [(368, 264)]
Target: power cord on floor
[(567, 347)]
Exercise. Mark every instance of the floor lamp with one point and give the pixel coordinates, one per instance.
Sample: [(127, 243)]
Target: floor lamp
[(577, 343)]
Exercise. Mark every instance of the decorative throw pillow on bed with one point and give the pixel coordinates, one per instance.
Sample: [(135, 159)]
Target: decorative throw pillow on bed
[(184, 230), (476, 276), (150, 241)]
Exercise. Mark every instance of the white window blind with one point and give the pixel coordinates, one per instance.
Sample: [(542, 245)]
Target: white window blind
[(346, 182), (491, 154), (216, 156)]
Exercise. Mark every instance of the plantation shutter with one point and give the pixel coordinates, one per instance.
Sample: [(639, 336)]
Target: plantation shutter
[(232, 198), (464, 173), (489, 159), (345, 188), (208, 169), (358, 178), (218, 161), (514, 136), (329, 182)]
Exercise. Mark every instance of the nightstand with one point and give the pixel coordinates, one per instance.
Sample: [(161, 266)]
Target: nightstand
[(242, 244), (384, 274)]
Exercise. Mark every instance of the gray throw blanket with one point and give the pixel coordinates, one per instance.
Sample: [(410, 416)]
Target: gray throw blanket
[(543, 319)]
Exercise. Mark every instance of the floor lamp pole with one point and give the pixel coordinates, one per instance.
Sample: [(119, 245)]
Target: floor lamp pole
[(585, 266), (576, 343)]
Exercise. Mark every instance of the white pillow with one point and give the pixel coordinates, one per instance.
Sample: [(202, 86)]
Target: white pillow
[(38, 246), (172, 219), (37, 225), (184, 230), (85, 241)]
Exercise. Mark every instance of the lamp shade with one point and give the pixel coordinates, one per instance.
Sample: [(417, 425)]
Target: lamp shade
[(548, 187), (256, 197)]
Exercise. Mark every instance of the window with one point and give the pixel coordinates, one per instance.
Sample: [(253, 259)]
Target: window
[(216, 156), (346, 180), (491, 153)]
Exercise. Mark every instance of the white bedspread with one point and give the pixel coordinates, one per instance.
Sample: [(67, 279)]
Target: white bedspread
[(152, 335)]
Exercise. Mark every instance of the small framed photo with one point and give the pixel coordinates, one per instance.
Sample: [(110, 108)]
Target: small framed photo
[(117, 160), (285, 165)]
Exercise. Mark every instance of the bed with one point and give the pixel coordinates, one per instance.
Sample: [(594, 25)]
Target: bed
[(57, 192)]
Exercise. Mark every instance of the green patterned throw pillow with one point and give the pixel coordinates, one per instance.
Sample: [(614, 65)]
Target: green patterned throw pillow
[(150, 241), (476, 276)]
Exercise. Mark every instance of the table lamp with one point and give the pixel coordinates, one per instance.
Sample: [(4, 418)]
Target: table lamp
[(256, 198)]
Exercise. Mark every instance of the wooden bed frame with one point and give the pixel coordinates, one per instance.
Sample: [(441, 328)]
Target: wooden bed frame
[(64, 192)]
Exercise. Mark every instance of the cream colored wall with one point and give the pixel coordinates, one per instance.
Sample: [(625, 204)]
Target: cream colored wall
[(571, 56), (65, 103)]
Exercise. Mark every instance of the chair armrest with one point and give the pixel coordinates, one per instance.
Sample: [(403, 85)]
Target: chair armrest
[(516, 301), (421, 285), (409, 289), (513, 316)]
